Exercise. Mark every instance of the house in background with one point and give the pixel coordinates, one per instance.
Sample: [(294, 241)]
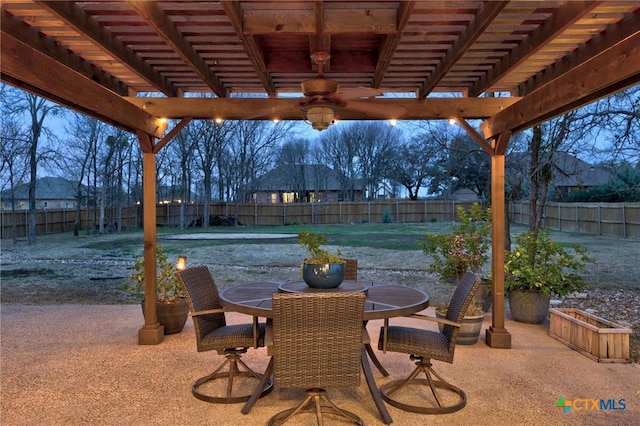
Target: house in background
[(302, 183), (464, 194), (51, 193), (573, 175), (569, 174)]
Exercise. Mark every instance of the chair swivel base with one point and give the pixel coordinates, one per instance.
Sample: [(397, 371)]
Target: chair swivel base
[(312, 404), (424, 366), (234, 361)]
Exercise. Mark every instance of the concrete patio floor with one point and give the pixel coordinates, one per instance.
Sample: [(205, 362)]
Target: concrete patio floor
[(81, 365)]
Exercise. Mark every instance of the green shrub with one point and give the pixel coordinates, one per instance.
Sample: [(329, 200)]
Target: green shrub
[(539, 263)]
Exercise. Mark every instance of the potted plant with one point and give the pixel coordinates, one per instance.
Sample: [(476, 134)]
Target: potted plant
[(172, 306), (320, 269), (537, 269), (465, 248), (471, 322)]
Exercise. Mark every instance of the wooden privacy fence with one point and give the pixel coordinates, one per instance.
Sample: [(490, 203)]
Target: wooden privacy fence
[(62, 220), (612, 219), (173, 215), (390, 210)]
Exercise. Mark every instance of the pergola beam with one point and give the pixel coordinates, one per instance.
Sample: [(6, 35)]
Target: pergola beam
[(28, 68), (391, 43), (476, 28), (335, 21), (565, 16), (235, 14), (10, 26), (288, 108), (604, 74), (78, 19), (600, 45), (163, 26)]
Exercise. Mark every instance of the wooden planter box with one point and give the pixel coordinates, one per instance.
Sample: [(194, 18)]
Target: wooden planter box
[(597, 338)]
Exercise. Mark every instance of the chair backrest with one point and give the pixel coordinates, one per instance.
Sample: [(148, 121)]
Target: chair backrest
[(459, 303), (317, 339), (202, 294), (351, 269)]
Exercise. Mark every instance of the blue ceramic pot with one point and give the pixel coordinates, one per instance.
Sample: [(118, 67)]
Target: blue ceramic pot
[(328, 275)]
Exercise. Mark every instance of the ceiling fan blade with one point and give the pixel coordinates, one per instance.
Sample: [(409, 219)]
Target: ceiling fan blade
[(359, 92), (389, 111)]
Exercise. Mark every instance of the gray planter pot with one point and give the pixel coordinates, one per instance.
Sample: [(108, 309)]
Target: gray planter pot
[(529, 306), (328, 275)]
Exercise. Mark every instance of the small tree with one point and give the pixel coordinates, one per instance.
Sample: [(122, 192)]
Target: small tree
[(465, 248), (168, 285)]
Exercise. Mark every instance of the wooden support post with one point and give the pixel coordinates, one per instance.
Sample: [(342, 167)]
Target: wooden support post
[(152, 333), (497, 335)]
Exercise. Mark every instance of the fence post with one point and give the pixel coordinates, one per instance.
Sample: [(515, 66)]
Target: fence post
[(624, 220), (559, 218), (425, 210), (577, 219), (599, 220)]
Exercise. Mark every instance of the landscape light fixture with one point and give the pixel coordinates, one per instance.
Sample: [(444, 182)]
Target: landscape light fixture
[(181, 264)]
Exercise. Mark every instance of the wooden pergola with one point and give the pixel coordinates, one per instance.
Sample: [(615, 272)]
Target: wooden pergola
[(134, 64)]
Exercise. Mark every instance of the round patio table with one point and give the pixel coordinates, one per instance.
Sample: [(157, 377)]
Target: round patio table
[(383, 301)]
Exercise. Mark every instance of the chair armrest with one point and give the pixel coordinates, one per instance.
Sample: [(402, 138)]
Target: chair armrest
[(415, 316), (208, 311), (435, 319)]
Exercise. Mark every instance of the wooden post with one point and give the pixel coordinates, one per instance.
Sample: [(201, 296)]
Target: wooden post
[(497, 335), (151, 333)]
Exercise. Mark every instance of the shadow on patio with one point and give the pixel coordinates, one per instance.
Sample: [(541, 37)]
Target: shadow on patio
[(81, 364)]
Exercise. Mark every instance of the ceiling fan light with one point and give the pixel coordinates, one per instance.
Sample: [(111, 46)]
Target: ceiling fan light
[(320, 117)]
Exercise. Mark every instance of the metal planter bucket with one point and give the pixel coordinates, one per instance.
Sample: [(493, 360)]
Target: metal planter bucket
[(531, 307), (328, 275)]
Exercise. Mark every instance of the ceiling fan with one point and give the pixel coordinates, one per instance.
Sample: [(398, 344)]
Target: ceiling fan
[(323, 98)]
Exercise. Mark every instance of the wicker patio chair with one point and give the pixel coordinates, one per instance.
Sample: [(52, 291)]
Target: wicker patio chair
[(213, 333), (317, 343), (351, 269), (423, 346)]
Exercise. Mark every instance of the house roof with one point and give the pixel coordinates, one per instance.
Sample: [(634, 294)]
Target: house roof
[(301, 177), (572, 171), (47, 188), (568, 170)]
